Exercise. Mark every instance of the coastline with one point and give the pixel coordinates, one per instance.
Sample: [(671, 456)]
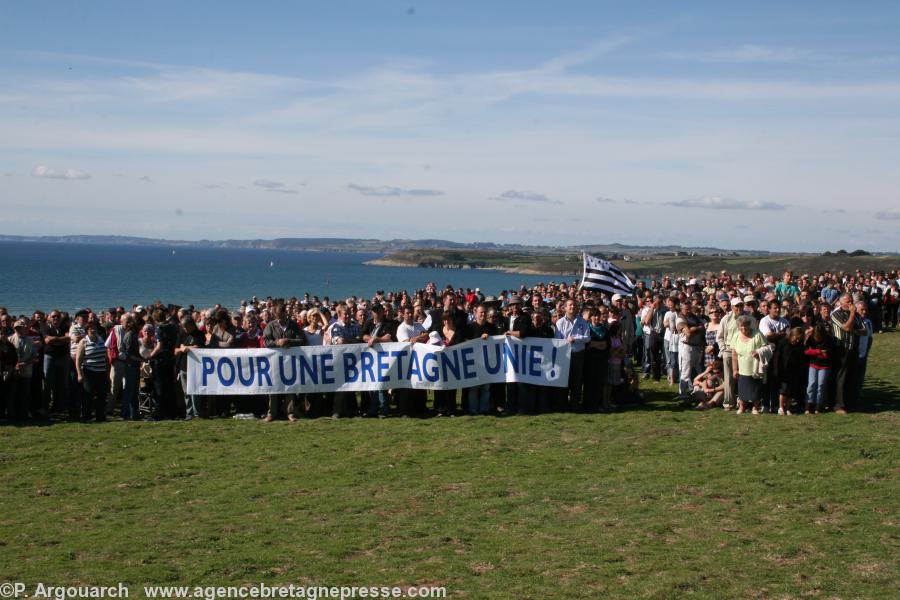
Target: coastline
[(387, 262)]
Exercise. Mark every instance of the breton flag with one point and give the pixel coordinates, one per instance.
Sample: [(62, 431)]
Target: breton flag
[(602, 275)]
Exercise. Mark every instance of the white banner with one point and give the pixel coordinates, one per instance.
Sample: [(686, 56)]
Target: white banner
[(357, 367)]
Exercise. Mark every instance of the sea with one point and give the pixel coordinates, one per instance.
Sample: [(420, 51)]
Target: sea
[(36, 275)]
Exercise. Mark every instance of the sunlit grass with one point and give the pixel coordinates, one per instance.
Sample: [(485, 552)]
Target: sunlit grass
[(650, 502)]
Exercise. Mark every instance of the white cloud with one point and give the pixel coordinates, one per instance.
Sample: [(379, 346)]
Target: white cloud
[(274, 186), (145, 178), (47, 173), (603, 200), (386, 190), (892, 214), (718, 203), (524, 196)]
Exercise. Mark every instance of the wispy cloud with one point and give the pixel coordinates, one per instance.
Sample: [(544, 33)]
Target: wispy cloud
[(892, 214), (47, 173), (524, 196), (274, 186), (145, 178), (584, 55), (602, 200), (386, 190), (718, 203), (746, 53)]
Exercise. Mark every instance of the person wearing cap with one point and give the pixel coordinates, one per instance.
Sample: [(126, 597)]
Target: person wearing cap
[(19, 382), (727, 328)]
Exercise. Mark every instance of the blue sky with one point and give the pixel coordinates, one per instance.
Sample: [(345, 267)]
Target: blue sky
[(770, 125)]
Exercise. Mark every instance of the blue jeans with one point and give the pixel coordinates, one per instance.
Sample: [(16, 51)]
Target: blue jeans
[(672, 362), (130, 393), (190, 404), (816, 387), (647, 353), (480, 399)]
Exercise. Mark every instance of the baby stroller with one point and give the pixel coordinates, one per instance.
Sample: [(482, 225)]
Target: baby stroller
[(146, 398)]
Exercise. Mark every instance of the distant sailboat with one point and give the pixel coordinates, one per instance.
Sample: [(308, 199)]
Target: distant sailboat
[(271, 263), (173, 252)]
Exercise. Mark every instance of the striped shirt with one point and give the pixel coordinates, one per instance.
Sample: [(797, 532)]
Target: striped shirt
[(76, 332), (94, 354), (849, 340)]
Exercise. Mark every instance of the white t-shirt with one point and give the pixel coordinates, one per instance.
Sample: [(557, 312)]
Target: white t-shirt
[(644, 312), (407, 332), (669, 319), (768, 325)]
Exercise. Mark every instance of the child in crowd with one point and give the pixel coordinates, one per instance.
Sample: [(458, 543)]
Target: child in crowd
[(820, 350)]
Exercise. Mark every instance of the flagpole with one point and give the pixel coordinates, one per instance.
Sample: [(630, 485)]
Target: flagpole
[(583, 271)]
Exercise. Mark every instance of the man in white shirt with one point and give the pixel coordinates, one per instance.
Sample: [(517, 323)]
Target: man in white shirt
[(652, 323), (692, 341), (774, 328), (410, 402)]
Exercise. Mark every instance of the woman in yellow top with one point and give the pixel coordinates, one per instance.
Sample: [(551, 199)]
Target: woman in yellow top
[(745, 343)]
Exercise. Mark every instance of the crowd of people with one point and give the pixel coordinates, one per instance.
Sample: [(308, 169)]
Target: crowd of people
[(757, 344)]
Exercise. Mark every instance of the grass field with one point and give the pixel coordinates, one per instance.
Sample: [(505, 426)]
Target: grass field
[(656, 502)]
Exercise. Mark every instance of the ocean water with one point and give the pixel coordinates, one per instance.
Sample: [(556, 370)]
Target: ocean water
[(72, 276)]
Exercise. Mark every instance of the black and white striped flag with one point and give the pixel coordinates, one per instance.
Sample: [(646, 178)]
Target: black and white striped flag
[(602, 275)]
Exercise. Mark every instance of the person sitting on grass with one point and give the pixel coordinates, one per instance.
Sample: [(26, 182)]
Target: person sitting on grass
[(709, 386)]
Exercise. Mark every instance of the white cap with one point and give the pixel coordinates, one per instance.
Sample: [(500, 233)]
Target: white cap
[(616, 297), (736, 301)]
